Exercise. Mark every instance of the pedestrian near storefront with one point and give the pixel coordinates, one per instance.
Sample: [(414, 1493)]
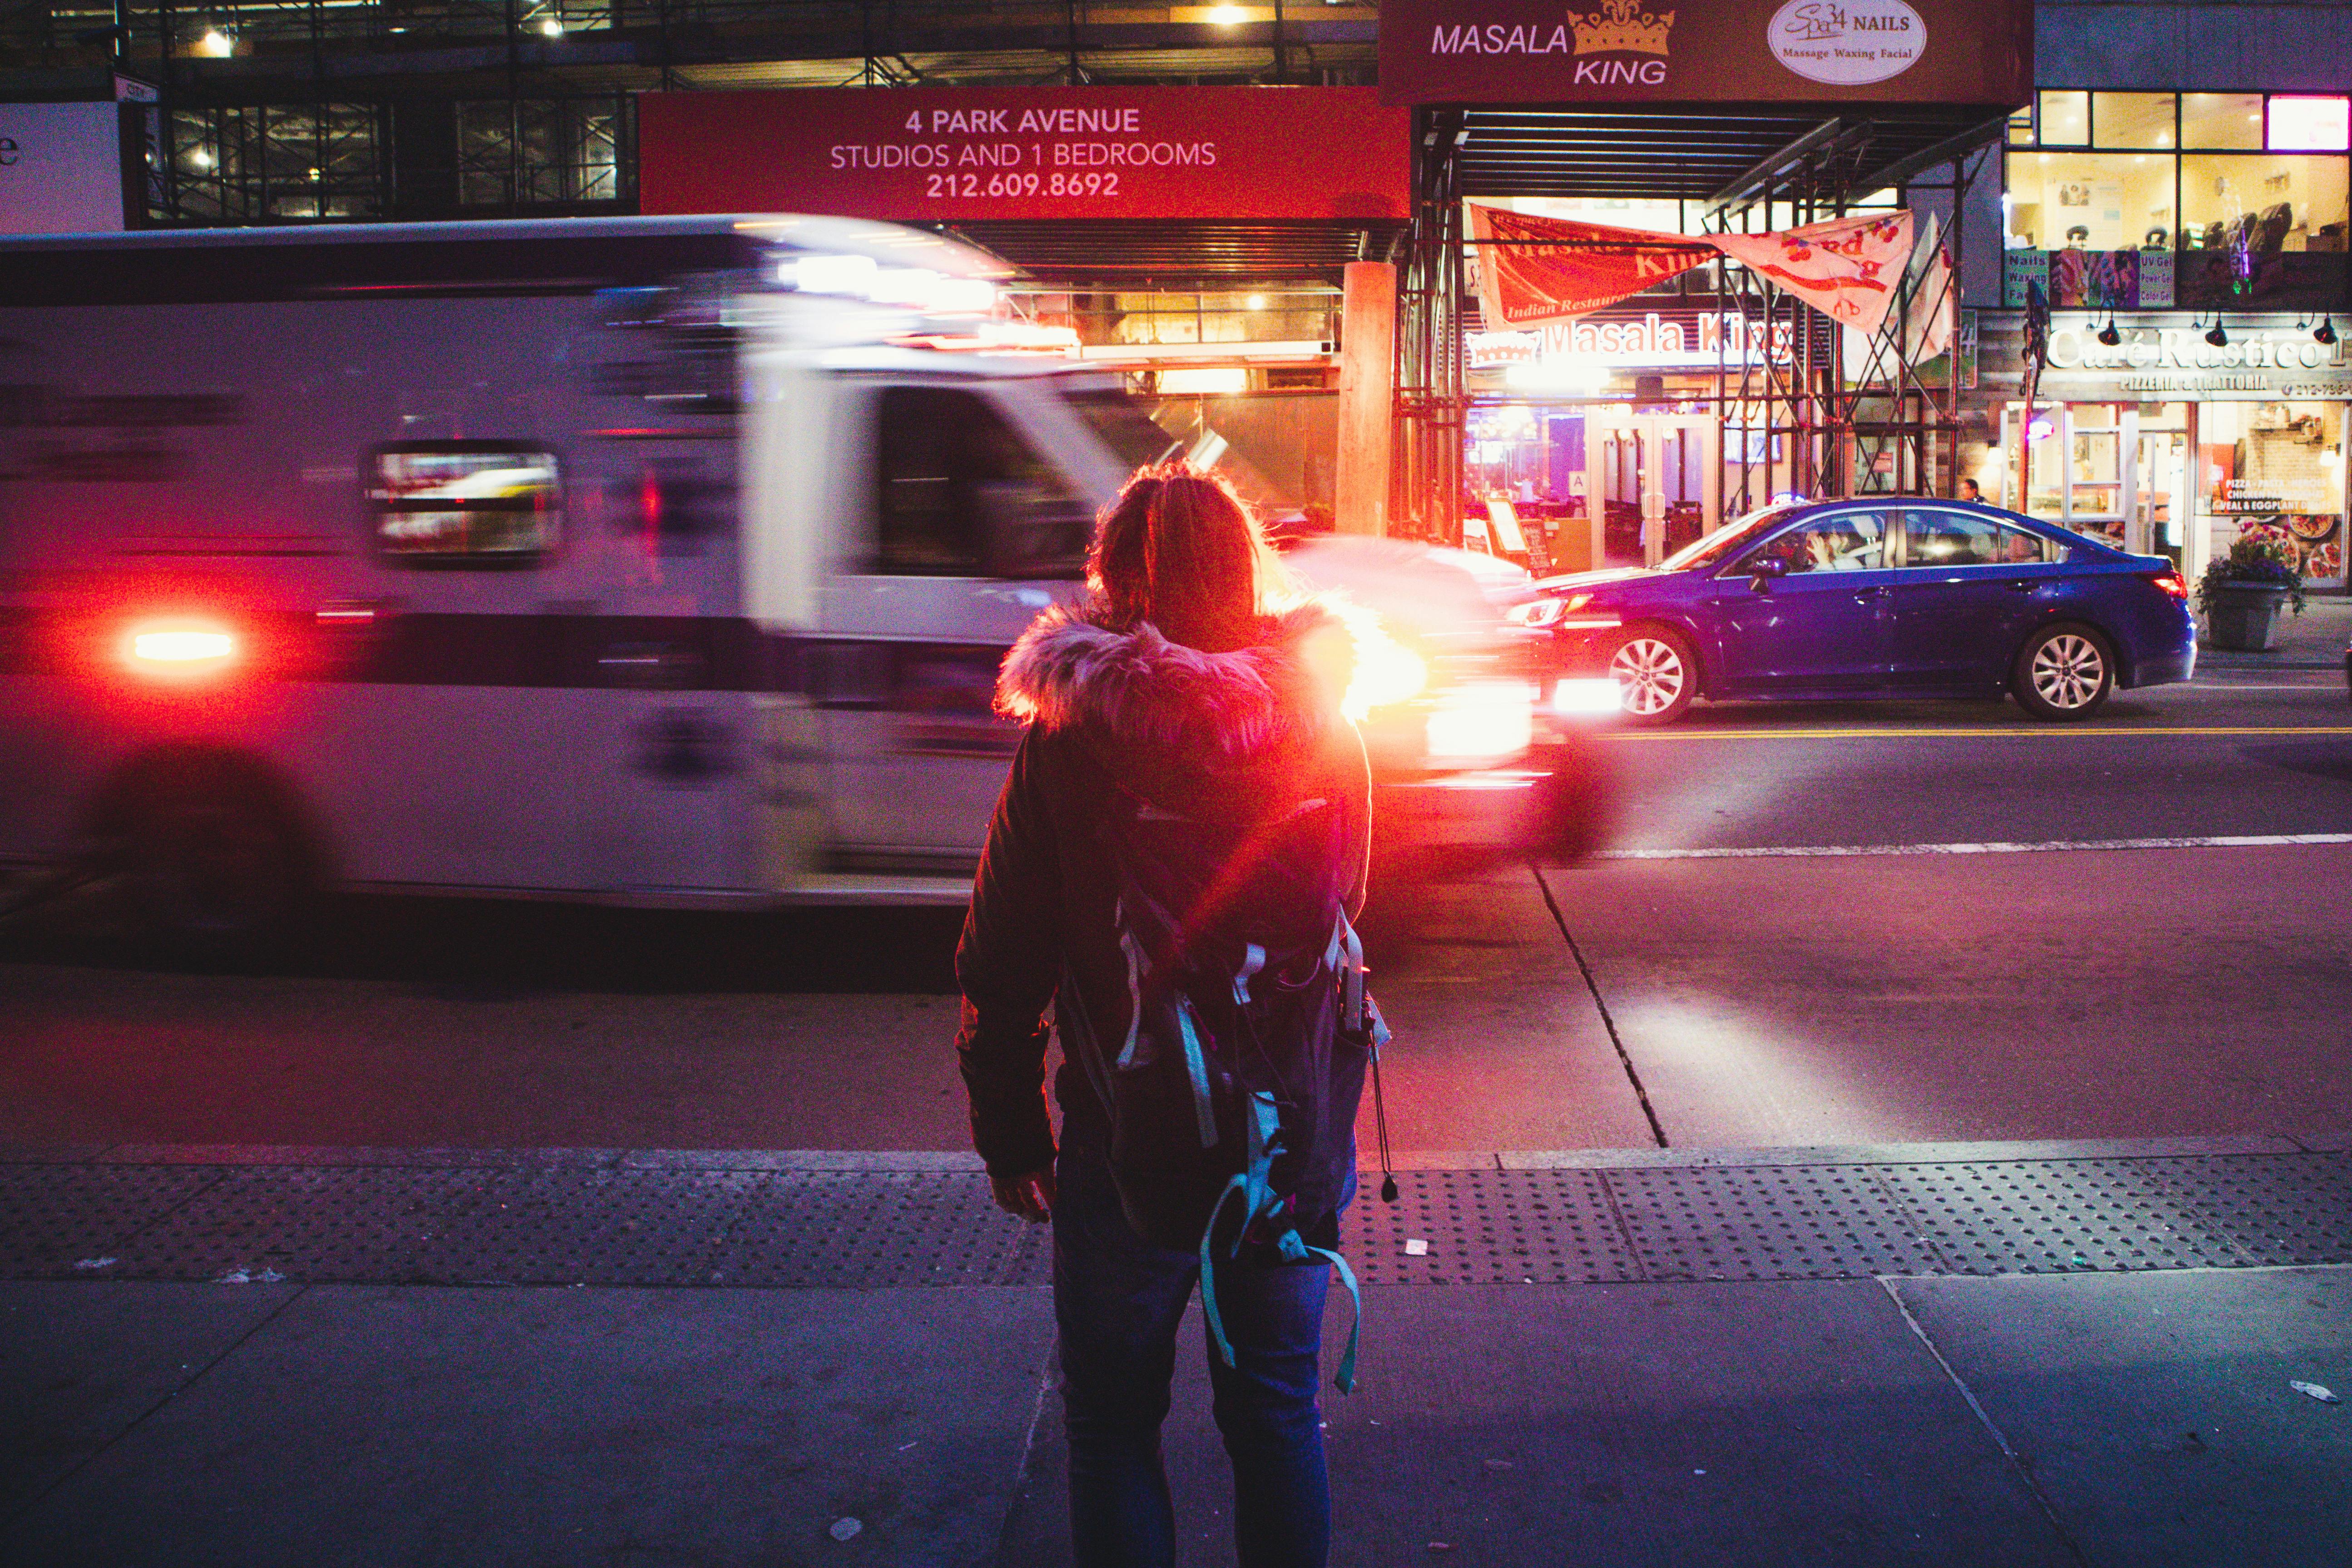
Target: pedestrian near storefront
[(1194, 696)]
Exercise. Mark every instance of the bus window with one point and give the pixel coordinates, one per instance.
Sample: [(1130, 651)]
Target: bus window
[(465, 503), (963, 495)]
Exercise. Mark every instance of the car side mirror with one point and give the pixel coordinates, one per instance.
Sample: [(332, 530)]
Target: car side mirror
[(1762, 571)]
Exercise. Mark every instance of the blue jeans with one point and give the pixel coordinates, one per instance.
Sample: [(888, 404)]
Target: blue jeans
[(1119, 1301)]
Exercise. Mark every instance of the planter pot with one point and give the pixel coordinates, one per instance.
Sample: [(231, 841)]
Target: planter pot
[(2244, 616)]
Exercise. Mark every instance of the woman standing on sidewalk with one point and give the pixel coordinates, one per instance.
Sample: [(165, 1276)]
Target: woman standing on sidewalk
[(1189, 681)]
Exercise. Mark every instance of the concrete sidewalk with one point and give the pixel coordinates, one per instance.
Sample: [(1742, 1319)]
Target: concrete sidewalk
[(2011, 1354), (2314, 639)]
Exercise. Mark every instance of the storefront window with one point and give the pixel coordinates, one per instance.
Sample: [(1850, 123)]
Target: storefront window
[(2262, 204), (2182, 207), (2089, 201), (2131, 118), (2277, 463), (2066, 119), (2309, 125), (2222, 120)]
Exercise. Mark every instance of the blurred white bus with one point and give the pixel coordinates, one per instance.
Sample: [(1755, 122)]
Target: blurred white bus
[(651, 560)]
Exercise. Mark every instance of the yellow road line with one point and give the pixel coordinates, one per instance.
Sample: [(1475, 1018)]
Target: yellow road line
[(2053, 732)]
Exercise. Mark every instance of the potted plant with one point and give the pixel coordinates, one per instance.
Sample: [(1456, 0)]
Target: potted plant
[(2241, 592)]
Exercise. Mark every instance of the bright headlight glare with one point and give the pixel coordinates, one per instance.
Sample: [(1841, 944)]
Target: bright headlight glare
[(832, 274), (1386, 672), (1578, 697), (1482, 721), (963, 297), (904, 286)]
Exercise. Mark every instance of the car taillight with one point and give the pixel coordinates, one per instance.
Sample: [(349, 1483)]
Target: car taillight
[(180, 648), (2171, 582)]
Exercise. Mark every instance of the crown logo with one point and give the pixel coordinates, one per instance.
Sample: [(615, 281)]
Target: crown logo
[(1622, 26)]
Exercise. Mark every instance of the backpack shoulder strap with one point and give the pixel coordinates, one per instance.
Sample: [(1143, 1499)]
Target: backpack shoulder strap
[(1253, 1183)]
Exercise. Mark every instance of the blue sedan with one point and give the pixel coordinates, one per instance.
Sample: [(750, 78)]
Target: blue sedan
[(1888, 596)]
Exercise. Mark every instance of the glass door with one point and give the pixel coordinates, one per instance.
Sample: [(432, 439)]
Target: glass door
[(1623, 466), (2079, 470), (2096, 436), (1656, 482), (2160, 492)]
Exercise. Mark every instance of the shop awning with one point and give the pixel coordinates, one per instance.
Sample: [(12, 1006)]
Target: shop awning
[(1718, 153)]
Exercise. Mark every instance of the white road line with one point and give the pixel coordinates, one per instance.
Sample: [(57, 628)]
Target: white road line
[(1829, 851), (1973, 732)]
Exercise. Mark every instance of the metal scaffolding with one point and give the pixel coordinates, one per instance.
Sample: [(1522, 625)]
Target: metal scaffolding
[(1803, 404), (1823, 410)]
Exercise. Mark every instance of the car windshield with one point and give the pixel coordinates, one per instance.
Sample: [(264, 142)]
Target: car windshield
[(1724, 541)]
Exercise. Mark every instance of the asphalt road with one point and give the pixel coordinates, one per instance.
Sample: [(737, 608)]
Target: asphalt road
[(1700, 984)]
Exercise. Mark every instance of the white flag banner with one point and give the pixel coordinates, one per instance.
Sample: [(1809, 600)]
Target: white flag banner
[(1846, 269), (1934, 318)]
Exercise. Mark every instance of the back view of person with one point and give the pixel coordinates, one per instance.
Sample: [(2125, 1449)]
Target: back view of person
[(1188, 713)]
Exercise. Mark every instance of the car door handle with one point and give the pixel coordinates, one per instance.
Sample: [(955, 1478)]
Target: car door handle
[(2022, 586)]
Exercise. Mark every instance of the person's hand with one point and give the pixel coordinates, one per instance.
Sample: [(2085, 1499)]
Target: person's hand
[(1031, 1196)]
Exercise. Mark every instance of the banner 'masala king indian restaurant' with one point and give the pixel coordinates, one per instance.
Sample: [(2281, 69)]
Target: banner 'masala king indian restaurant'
[(1534, 270)]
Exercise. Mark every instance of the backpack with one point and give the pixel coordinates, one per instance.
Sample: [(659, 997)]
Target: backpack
[(1232, 1088)]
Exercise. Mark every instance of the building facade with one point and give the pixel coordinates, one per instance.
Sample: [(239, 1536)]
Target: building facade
[(2177, 193)]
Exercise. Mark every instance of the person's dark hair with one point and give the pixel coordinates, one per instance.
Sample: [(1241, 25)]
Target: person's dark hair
[(1181, 550)]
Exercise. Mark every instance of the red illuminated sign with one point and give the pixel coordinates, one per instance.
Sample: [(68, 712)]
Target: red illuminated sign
[(1714, 51), (936, 154)]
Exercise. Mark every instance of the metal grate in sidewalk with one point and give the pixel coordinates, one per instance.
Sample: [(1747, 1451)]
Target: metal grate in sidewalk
[(516, 1220)]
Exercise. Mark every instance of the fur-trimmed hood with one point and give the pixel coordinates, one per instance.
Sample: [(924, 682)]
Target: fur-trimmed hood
[(1143, 694)]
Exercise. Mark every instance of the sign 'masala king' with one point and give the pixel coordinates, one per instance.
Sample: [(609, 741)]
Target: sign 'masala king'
[(1722, 51)]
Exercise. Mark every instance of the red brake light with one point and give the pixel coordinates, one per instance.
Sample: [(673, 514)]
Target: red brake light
[(179, 647), (2170, 580)]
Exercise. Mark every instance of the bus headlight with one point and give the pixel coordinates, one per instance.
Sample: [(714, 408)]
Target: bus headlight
[(1481, 722)]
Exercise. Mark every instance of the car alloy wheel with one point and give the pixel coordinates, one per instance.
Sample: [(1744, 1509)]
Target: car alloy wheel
[(1651, 676), (2069, 673)]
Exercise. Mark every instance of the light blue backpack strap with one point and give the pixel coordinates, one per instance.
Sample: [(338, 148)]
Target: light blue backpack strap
[(1196, 1063), (1240, 1184), (1255, 1183), (1136, 965), (1265, 1126), (1344, 1380)]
